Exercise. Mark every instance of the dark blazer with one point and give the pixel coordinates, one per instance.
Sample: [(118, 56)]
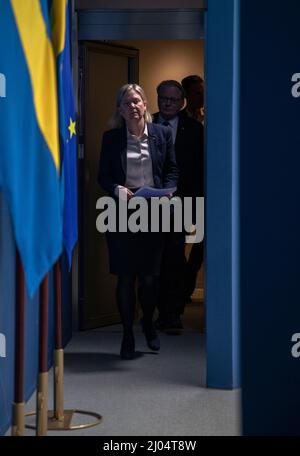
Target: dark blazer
[(113, 158), (189, 150)]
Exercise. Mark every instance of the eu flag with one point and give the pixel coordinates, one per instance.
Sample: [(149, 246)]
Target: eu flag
[(67, 122), (29, 157)]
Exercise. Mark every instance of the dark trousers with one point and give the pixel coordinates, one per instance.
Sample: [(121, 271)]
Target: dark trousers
[(171, 282), (126, 298), (194, 264)]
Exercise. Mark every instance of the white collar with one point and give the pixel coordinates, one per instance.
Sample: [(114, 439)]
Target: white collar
[(145, 133)]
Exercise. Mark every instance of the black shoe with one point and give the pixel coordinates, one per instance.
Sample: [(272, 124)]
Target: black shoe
[(127, 347), (151, 336)]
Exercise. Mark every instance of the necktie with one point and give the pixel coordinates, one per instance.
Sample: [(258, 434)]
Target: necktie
[(166, 123)]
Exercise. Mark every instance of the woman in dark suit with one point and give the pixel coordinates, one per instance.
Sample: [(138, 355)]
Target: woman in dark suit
[(135, 153)]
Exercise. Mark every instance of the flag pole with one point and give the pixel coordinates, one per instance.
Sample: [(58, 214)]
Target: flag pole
[(58, 352), (18, 426), (42, 392)]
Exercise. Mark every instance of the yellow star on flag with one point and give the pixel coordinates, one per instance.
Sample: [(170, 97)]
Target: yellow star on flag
[(72, 127)]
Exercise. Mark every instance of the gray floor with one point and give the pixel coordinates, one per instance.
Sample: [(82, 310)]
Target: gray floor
[(154, 395)]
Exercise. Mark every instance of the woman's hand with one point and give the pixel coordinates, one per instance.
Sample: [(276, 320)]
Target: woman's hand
[(123, 193)]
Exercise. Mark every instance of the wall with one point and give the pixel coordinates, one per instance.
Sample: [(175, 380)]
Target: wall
[(221, 256), (270, 222), (175, 60)]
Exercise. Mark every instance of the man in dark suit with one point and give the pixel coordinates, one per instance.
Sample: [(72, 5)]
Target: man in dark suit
[(193, 86), (187, 136)]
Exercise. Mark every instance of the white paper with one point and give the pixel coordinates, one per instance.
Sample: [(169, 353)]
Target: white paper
[(151, 192)]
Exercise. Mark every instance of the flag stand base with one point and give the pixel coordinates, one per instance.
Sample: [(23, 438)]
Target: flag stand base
[(18, 419), (65, 424)]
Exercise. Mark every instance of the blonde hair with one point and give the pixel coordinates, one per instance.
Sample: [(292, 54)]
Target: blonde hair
[(116, 120)]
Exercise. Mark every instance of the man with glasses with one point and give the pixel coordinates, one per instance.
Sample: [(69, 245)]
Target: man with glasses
[(187, 136)]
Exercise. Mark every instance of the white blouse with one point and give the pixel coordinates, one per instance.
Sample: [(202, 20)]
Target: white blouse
[(139, 162)]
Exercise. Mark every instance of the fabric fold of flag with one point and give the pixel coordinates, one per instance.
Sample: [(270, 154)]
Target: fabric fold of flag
[(67, 121), (30, 158)]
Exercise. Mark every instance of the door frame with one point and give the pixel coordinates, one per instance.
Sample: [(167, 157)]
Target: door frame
[(217, 25), (142, 24)]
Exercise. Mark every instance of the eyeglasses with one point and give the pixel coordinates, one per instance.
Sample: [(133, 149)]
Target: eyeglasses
[(169, 99)]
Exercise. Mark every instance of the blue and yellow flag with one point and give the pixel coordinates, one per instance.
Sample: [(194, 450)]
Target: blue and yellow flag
[(67, 122), (29, 158)]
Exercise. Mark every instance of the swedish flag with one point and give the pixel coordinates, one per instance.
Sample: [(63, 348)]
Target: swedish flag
[(67, 122), (29, 158)]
